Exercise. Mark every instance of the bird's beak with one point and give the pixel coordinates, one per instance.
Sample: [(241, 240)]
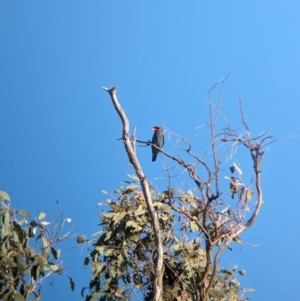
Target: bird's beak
[(153, 129)]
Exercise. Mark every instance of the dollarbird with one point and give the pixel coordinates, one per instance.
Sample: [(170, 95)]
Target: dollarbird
[(158, 139)]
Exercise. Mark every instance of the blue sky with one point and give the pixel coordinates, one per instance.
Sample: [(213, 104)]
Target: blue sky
[(59, 130)]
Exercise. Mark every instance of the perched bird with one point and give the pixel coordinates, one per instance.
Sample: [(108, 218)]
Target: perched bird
[(158, 139)]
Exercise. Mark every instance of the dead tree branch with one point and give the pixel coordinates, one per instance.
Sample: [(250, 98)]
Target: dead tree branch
[(158, 275)]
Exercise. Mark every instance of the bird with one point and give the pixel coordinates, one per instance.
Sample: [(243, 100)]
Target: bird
[(158, 139)]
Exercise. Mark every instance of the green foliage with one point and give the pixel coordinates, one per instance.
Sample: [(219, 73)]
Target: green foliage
[(123, 256), (28, 252)]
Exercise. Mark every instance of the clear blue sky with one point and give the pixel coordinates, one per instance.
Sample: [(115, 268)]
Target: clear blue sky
[(59, 129)]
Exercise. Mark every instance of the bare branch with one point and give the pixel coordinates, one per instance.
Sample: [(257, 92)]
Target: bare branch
[(158, 275)]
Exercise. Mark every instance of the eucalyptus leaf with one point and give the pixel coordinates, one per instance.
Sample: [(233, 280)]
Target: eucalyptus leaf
[(18, 297), (132, 187), (54, 253), (41, 216), (24, 213), (98, 233), (237, 239), (72, 284), (86, 261), (4, 196), (249, 194), (140, 211), (92, 296), (53, 267), (237, 169), (81, 239), (133, 177), (193, 226)]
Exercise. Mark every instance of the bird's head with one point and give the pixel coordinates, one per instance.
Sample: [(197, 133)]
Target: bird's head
[(156, 128)]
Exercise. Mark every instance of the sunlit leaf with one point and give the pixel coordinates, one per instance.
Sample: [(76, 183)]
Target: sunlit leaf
[(58, 252), (190, 193), (234, 282), (45, 242), (249, 194), (104, 191), (132, 187), (193, 226), (174, 248), (41, 216), (140, 211), (100, 249), (109, 214), (242, 272), (97, 233), (2, 211), (108, 235), (131, 224), (53, 267), (133, 177), (24, 213), (237, 169), (164, 217), (229, 273), (185, 198), (44, 223), (237, 239), (69, 220), (107, 252), (4, 196), (121, 289), (119, 217)]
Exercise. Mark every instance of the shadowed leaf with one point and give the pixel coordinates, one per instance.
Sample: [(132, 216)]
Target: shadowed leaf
[(81, 239)]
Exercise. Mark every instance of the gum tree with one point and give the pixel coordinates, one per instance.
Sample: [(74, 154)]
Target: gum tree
[(167, 245), (29, 251)]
